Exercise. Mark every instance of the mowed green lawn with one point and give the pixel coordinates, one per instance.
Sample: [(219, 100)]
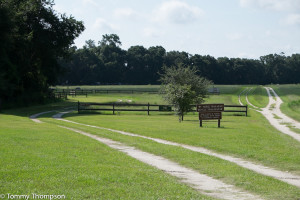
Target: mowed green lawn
[(43, 154), (45, 159)]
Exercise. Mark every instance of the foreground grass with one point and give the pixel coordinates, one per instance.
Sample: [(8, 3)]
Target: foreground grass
[(45, 159), (248, 137), (266, 187), (42, 158)]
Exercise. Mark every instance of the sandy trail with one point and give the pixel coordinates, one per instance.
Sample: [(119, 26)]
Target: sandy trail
[(245, 90), (35, 116), (272, 112), (284, 118), (201, 182), (267, 171)]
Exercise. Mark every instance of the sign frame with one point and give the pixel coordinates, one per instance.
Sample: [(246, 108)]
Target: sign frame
[(210, 107), (210, 112)]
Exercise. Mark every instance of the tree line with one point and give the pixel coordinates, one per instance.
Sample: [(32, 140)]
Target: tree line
[(37, 51), (107, 63)]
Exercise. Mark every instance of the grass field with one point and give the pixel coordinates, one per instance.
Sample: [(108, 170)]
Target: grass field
[(44, 159), (258, 96), (290, 95)]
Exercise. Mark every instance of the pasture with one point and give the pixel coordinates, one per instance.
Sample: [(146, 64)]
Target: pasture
[(46, 159)]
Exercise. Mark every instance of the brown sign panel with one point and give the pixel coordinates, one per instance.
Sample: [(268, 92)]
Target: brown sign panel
[(210, 115), (210, 108)]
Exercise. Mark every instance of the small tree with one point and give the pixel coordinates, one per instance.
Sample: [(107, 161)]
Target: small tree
[(181, 87)]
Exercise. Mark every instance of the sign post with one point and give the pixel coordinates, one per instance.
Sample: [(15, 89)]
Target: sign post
[(210, 112)]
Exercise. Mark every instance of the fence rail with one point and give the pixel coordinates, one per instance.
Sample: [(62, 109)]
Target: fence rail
[(70, 93), (116, 107), (116, 91)]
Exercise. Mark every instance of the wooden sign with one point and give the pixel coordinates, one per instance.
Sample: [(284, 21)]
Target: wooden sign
[(210, 115), (210, 112), (210, 108)]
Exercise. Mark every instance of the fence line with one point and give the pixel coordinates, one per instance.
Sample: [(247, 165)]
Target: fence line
[(70, 93), (115, 107), (107, 91)]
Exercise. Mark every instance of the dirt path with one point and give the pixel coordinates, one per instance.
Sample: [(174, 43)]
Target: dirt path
[(267, 171), (276, 118), (276, 110), (249, 101), (35, 116), (201, 182), (245, 90)]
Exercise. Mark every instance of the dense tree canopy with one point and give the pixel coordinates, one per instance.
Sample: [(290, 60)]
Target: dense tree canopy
[(107, 63), (33, 36), (182, 87)]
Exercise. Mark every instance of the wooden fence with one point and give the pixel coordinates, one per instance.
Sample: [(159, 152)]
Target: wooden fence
[(72, 93), (120, 91), (117, 107)]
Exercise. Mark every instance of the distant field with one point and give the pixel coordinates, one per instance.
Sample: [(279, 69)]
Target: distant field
[(112, 87), (44, 158), (225, 97)]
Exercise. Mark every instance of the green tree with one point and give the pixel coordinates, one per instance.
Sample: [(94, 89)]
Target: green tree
[(181, 87), (37, 37)]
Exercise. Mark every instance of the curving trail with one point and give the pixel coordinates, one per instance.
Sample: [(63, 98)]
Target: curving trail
[(35, 116), (249, 101), (245, 90), (277, 111), (203, 183), (272, 112), (274, 115), (267, 171)]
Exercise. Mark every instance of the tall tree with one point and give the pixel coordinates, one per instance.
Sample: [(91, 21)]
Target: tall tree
[(113, 58), (39, 35)]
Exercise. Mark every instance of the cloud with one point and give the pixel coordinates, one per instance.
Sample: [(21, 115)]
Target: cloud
[(177, 12), (268, 33), (152, 32), (235, 36), (103, 25), (124, 12), (91, 2), (277, 5), (292, 19)]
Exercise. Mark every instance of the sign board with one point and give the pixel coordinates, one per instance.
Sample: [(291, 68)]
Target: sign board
[(210, 108), (210, 115), (164, 108)]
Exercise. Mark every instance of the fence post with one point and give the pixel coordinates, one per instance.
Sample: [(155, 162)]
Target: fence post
[(78, 109), (246, 110), (148, 108), (113, 108)]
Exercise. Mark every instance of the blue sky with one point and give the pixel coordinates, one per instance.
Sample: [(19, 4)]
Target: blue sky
[(232, 28)]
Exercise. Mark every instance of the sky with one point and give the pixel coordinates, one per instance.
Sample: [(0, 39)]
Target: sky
[(231, 28)]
